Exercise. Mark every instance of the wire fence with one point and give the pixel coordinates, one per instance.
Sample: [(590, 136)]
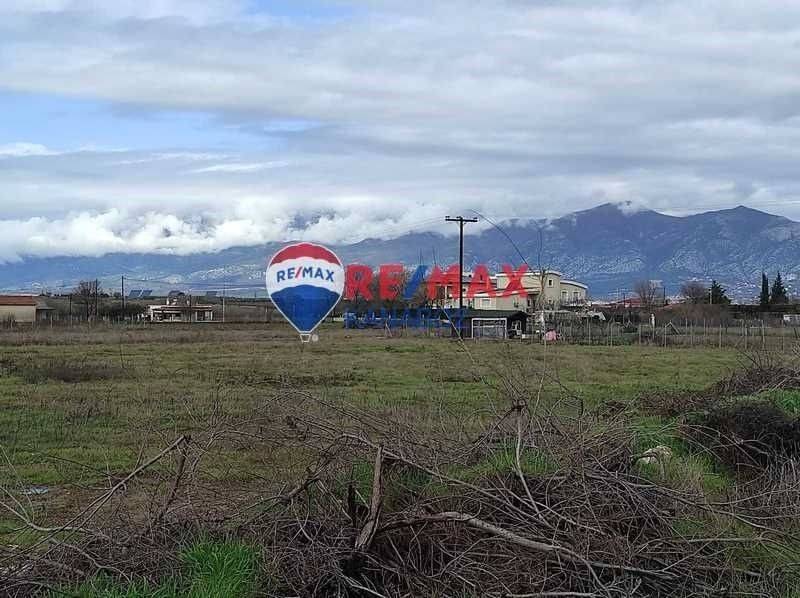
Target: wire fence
[(740, 334)]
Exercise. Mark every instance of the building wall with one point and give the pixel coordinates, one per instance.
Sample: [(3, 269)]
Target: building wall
[(575, 292), (557, 292), (509, 303), (23, 314)]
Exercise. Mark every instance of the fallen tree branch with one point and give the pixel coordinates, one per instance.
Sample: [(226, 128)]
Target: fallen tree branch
[(367, 534), (551, 549)]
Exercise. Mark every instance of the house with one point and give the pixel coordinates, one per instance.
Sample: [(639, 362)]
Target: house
[(180, 307), (23, 309), (542, 291)]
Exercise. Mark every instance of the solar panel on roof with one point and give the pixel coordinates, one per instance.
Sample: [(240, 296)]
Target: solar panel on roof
[(147, 293), (135, 294)]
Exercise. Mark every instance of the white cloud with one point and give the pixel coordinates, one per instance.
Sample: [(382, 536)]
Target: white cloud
[(386, 119), (17, 150), (241, 167)]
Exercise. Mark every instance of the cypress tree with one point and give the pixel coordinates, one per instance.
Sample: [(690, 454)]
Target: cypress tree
[(763, 300), (779, 294)]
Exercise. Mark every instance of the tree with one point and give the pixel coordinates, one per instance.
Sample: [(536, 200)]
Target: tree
[(646, 291), (694, 292), (763, 299), (778, 296), (85, 295), (718, 296)]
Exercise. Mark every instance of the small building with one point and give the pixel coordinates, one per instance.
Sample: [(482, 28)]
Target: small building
[(791, 319), (23, 309), (180, 307), (20, 309), (488, 323)]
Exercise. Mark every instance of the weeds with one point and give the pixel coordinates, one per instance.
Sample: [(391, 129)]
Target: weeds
[(63, 370), (396, 485)]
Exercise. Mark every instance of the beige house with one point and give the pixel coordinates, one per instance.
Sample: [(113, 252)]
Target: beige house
[(548, 291), (22, 309)]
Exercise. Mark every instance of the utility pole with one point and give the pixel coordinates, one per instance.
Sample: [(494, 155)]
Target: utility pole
[(461, 222), (123, 297)]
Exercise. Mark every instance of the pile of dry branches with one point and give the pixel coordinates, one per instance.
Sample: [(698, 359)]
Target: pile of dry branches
[(758, 372), (350, 502)]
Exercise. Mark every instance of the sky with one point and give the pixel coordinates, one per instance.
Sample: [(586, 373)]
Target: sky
[(182, 126)]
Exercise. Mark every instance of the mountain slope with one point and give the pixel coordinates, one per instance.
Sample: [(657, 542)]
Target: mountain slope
[(607, 247)]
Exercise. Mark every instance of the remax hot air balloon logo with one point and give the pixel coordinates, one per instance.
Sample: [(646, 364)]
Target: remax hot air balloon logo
[(305, 282)]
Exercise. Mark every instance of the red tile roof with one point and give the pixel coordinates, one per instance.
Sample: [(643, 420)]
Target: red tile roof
[(17, 300)]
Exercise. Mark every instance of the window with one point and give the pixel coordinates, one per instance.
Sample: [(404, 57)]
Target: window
[(549, 282), (564, 296), (486, 302), (575, 295)]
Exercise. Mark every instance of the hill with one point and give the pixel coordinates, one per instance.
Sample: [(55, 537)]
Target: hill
[(608, 247)]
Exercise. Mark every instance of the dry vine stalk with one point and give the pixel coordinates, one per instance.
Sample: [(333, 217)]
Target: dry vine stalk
[(528, 503)]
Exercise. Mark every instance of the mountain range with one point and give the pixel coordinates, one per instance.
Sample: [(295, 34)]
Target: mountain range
[(608, 247)]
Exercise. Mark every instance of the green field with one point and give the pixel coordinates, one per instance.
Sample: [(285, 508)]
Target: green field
[(96, 398), (80, 408)]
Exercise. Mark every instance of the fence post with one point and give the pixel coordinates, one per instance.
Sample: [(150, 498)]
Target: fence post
[(744, 331), (783, 335)]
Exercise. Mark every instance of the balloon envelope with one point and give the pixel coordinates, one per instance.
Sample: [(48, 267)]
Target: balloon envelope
[(305, 282)]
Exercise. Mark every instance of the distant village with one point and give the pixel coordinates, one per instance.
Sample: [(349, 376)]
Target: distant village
[(549, 301)]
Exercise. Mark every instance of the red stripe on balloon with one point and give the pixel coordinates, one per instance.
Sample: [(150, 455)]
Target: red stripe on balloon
[(301, 250)]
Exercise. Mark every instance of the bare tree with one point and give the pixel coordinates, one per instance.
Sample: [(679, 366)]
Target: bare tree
[(85, 295), (694, 292), (646, 291)]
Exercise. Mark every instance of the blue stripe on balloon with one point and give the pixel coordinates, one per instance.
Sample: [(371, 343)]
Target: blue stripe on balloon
[(305, 305)]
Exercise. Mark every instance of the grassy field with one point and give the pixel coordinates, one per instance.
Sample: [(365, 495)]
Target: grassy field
[(90, 398), (81, 407)]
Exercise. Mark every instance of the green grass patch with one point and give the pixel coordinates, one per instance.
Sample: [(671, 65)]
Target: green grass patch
[(210, 570), (652, 431), (686, 468), (533, 462), (788, 400), (221, 570)]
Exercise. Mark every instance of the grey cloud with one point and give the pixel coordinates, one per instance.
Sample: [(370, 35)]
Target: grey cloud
[(514, 108)]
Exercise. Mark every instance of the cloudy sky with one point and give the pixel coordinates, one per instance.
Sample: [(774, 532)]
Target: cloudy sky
[(189, 125)]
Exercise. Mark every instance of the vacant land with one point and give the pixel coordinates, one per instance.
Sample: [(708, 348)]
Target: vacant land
[(80, 409), (97, 398)]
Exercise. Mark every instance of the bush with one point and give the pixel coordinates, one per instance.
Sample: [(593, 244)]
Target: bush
[(752, 432)]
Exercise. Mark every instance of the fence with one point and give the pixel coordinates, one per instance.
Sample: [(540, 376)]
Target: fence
[(741, 334)]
